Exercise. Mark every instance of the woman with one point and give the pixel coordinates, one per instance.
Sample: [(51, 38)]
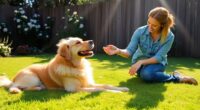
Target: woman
[(148, 48)]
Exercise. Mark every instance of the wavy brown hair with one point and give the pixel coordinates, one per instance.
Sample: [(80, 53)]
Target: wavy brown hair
[(165, 18)]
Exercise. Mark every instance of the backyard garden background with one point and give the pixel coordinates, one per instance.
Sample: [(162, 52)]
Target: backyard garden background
[(30, 29), (41, 24)]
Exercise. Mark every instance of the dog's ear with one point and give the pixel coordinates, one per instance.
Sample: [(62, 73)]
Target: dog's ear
[(64, 50)]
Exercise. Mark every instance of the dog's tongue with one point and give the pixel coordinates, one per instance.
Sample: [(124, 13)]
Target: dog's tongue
[(85, 52)]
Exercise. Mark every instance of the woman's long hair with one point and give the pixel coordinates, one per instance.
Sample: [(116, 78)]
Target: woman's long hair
[(166, 20)]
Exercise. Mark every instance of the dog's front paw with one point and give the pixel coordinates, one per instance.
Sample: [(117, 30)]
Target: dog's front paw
[(70, 89), (39, 88), (14, 90)]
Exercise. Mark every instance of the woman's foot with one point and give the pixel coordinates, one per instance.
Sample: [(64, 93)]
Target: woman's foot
[(185, 79)]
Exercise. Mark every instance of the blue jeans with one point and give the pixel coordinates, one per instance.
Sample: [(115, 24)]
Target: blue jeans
[(155, 73)]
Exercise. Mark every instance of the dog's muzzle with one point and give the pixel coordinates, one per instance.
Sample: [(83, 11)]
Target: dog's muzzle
[(89, 52)]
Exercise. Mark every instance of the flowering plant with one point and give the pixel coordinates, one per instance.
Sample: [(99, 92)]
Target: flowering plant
[(74, 25), (21, 21), (31, 29), (4, 31), (5, 49), (29, 3), (46, 32)]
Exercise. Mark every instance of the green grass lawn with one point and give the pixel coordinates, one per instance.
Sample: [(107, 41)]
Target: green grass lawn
[(108, 70)]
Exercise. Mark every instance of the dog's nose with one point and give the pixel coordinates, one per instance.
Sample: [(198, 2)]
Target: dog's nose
[(91, 42)]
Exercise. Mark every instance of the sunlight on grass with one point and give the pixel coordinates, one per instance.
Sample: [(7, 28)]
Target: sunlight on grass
[(107, 70)]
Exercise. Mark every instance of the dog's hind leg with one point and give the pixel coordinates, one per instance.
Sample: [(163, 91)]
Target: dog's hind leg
[(38, 88), (26, 80)]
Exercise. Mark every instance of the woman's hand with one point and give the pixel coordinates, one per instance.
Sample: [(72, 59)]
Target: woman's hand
[(111, 50), (134, 68)]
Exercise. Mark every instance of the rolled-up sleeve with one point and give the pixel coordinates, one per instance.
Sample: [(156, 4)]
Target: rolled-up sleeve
[(165, 48), (133, 44)]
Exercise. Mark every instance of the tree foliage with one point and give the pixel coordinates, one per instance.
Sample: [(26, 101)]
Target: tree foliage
[(52, 3)]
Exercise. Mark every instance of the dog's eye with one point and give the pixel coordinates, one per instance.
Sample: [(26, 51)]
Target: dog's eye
[(78, 42)]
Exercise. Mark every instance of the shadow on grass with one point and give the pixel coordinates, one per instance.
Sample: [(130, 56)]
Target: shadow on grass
[(179, 63), (90, 95), (42, 96), (145, 95), (47, 95)]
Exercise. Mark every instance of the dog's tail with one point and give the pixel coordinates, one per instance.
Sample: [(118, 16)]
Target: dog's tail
[(5, 82)]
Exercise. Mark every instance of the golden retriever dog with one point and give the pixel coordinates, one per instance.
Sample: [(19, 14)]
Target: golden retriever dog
[(68, 70)]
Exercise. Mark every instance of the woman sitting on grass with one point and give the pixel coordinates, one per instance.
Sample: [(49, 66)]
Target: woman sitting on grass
[(148, 48)]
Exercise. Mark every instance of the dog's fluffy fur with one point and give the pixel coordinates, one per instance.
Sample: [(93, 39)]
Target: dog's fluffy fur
[(68, 70)]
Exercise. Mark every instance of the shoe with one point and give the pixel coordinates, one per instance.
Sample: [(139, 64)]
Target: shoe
[(185, 79)]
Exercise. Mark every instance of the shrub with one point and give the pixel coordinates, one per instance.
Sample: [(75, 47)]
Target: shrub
[(29, 3), (4, 31), (33, 32), (25, 49), (21, 21), (54, 3), (46, 32), (74, 26), (5, 49)]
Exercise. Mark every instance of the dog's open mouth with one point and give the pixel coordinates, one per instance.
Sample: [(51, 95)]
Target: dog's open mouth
[(89, 52), (85, 53)]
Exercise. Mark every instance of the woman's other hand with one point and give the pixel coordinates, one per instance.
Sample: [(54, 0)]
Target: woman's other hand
[(135, 67)]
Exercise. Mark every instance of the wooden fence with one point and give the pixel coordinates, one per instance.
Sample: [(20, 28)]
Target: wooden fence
[(114, 21)]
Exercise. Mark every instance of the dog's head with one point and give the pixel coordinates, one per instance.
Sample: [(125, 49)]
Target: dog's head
[(75, 47)]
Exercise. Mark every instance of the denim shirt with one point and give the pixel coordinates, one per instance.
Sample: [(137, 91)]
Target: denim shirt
[(142, 46)]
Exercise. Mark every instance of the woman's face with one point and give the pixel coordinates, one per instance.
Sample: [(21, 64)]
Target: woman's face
[(154, 25)]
